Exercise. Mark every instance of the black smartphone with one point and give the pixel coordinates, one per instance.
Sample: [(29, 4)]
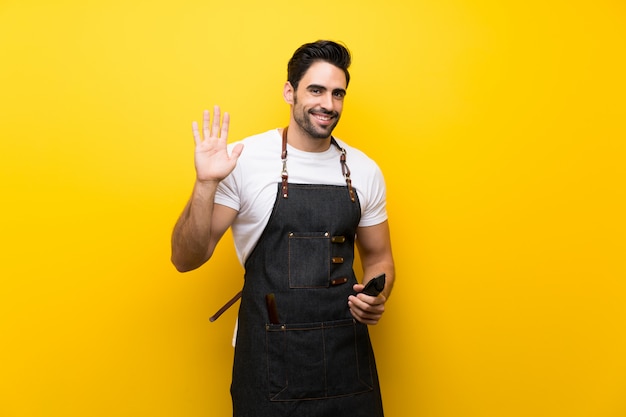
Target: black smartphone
[(375, 285)]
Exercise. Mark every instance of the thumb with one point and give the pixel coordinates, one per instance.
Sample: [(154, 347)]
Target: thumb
[(236, 152)]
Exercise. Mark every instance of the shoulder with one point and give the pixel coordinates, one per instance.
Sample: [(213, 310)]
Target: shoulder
[(258, 151), (359, 159), (261, 141), (259, 163), (369, 182)]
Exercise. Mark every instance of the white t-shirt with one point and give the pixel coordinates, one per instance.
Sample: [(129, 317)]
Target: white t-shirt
[(252, 186)]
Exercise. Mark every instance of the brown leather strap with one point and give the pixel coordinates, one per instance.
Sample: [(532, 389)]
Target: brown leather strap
[(284, 174), (225, 307), (344, 168), (342, 159)]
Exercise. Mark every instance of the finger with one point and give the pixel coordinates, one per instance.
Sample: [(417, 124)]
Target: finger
[(216, 120), (367, 299), (225, 124), (206, 126), (196, 133), (365, 318), (366, 303), (366, 313), (236, 150), (372, 300)]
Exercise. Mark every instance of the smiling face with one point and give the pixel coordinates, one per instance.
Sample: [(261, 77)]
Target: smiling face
[(318, 101)]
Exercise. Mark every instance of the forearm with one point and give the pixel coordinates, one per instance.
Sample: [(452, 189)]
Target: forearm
[(374, 245), (191, 238)]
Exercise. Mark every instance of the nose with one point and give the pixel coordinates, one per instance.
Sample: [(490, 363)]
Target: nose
[(327, 102)]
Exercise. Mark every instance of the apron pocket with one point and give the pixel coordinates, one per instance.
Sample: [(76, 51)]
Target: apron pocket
[(309, 260), (317, 360)]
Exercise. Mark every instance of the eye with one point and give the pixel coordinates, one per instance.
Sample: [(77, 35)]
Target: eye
[(340, 94)]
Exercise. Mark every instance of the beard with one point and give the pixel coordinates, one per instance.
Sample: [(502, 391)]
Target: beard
[(305, 120)]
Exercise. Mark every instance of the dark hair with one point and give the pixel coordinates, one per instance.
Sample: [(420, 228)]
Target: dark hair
[(309, 53)]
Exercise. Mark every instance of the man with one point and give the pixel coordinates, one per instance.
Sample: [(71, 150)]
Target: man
[(297, 200)]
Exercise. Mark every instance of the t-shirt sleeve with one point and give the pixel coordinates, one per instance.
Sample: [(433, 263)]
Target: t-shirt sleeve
[(375, 205), (227, 191)]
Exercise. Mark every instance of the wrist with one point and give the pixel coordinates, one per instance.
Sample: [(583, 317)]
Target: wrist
[(207, 183), (205, 189)]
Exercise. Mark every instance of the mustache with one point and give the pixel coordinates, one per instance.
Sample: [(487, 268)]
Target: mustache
[(324, 111)]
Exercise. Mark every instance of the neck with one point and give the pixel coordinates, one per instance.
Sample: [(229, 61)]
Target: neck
[(302, 141)]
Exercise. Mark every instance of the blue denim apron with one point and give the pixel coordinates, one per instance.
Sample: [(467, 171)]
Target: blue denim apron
[(314, 359)]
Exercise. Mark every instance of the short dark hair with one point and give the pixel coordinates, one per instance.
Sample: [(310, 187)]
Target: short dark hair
[(309, 53)]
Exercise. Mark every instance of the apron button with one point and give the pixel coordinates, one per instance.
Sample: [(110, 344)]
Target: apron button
[(339, 281)]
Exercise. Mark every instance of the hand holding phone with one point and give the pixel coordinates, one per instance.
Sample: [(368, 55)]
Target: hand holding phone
[(375, 285)]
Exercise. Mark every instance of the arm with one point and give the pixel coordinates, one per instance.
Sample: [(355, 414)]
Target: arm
[(374, 245), (203, 223)]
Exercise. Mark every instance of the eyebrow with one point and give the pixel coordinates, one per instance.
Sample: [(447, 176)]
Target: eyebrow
[(321, 87)]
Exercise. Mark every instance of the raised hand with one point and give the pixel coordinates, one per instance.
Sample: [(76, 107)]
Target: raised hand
[(212, 160)]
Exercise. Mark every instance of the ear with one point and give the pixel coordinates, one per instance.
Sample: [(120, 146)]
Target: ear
[(288, 92)]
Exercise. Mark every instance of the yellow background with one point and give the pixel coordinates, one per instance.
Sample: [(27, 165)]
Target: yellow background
[(500, 127)]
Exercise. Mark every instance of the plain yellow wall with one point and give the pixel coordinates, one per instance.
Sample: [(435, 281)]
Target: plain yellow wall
[(500, 127)]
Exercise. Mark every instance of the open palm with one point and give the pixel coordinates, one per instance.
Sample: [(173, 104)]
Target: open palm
[(212, 160)]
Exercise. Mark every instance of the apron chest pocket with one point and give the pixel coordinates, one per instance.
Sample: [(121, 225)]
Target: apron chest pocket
[(317, 360), (309, 260)]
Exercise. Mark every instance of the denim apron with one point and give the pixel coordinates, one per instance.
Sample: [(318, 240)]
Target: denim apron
[(303, 354)]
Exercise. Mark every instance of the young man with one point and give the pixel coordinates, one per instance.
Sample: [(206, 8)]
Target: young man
[(297, 200)]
